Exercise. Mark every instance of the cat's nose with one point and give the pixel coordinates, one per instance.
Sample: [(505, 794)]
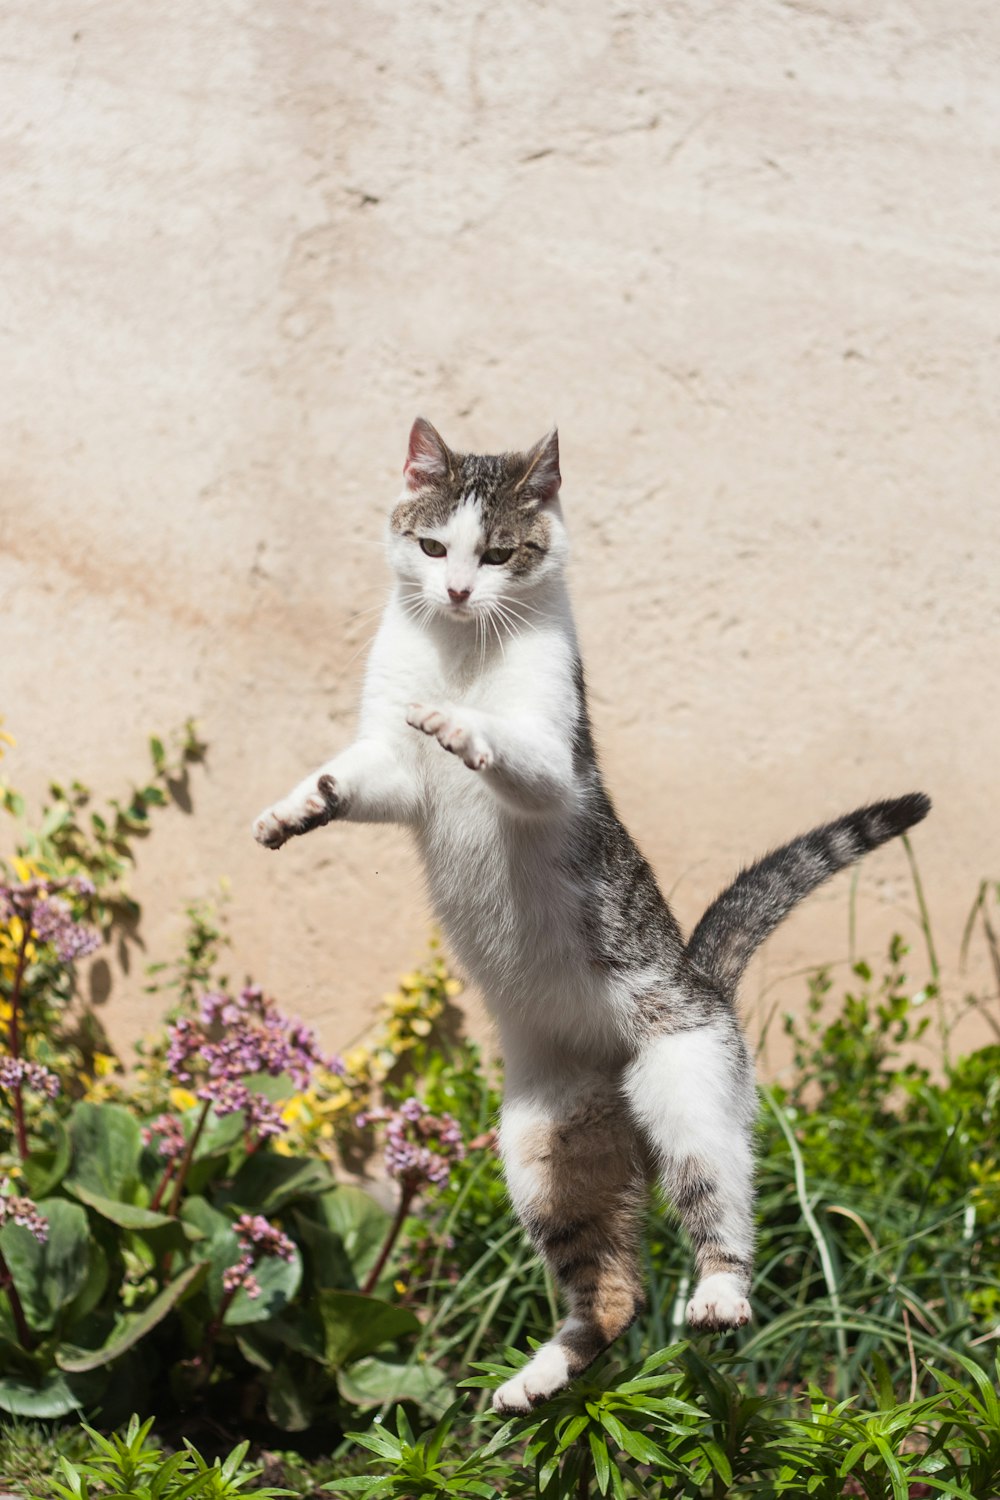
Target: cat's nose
[(458, 596)]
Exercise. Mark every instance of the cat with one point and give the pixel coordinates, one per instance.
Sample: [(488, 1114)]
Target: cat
[(624, 1059)]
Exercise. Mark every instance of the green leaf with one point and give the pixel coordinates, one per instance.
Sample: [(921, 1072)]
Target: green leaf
[(48, 1276), (374, 1382), (125, 1215), (288, 1405), (602, 1464), (107, 1144), (132, 1327), (47, 1165), (90, 1294), (266, 1182), (360, 1223), (53, 1397), (278, 1281), (354, 1325), (329, 1263)]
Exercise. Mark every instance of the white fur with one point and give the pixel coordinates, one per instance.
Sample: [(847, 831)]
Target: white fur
[(697, 1104), (543, 1375), (718, 1302)]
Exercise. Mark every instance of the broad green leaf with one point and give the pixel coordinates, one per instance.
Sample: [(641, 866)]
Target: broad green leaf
[(90, 1294), (266, 1182), (107, 1145), (360, 1223), (125, 1215), (54, 1396), (373, 1382), (354, 1325), (47, 1165), (329, 1263), (288, 1404), (48, 1275), (133, 1326), (278, 1281)]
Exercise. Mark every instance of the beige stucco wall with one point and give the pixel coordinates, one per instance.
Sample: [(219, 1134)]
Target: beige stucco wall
[(746, 256)]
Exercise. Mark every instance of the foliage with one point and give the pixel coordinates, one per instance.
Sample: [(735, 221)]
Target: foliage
[(171, 1237), (130, 1465), (680, 1425)]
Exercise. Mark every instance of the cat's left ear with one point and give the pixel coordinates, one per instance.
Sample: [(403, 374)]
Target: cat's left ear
[(541, 479)]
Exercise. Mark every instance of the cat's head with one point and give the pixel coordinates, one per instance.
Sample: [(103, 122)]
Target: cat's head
[(474, 535)]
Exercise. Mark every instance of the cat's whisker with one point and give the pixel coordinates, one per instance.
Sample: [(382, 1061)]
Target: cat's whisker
[(521, 603), (507, 614)]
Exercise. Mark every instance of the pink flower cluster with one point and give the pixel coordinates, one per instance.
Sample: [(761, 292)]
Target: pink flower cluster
[(16, 1210), (235, 1038), (419, 1147), (17, 1072), (172, 1141), (50, 918), (258, 1239)]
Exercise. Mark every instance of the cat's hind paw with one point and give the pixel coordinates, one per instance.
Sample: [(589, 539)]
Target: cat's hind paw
[(451, 735), (309, 807), (717, 1303)]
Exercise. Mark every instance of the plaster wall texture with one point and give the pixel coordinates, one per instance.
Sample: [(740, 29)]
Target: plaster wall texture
[(746, 256)]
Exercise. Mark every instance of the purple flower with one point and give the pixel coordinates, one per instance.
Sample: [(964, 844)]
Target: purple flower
[(241, 1275), (234, 1038), (172, 1143), (16, 1071), (258, 1239), (50, 918), (419, 1147), (17, 1210)]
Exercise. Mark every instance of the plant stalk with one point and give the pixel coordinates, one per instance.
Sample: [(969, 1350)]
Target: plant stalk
[(16, 1307), (186, 1160), (409, 1192), (14, 1035)]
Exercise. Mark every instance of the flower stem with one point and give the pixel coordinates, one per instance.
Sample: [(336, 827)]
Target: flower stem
[(185, 1165), (203, 1357), (406, 1198), (165, 1182), (17, 1310), (14, 1036)]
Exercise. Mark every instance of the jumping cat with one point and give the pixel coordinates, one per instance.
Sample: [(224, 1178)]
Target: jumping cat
[(623, 1054)]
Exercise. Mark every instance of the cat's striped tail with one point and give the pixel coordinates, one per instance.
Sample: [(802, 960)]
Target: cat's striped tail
[(739, 920)]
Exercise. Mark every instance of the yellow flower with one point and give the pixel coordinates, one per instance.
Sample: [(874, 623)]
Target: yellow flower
[(182, 1098), (358, 1060), (293, 1110), (104, 1064)]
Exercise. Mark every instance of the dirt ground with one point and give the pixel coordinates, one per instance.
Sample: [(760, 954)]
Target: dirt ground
[(745, 255)]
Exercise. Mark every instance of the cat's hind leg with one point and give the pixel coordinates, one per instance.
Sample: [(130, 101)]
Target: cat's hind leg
[(692, 1093), (578, 1182)]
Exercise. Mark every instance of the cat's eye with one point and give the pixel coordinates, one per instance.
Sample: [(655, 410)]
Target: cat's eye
[(432, 548), (494, 556)]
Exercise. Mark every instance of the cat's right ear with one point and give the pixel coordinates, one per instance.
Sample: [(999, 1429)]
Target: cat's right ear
[(428, 457)]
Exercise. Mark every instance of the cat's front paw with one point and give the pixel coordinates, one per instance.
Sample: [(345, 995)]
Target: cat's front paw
[(458, 739), (543, 1376), (308, 807), (718, 1302)]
